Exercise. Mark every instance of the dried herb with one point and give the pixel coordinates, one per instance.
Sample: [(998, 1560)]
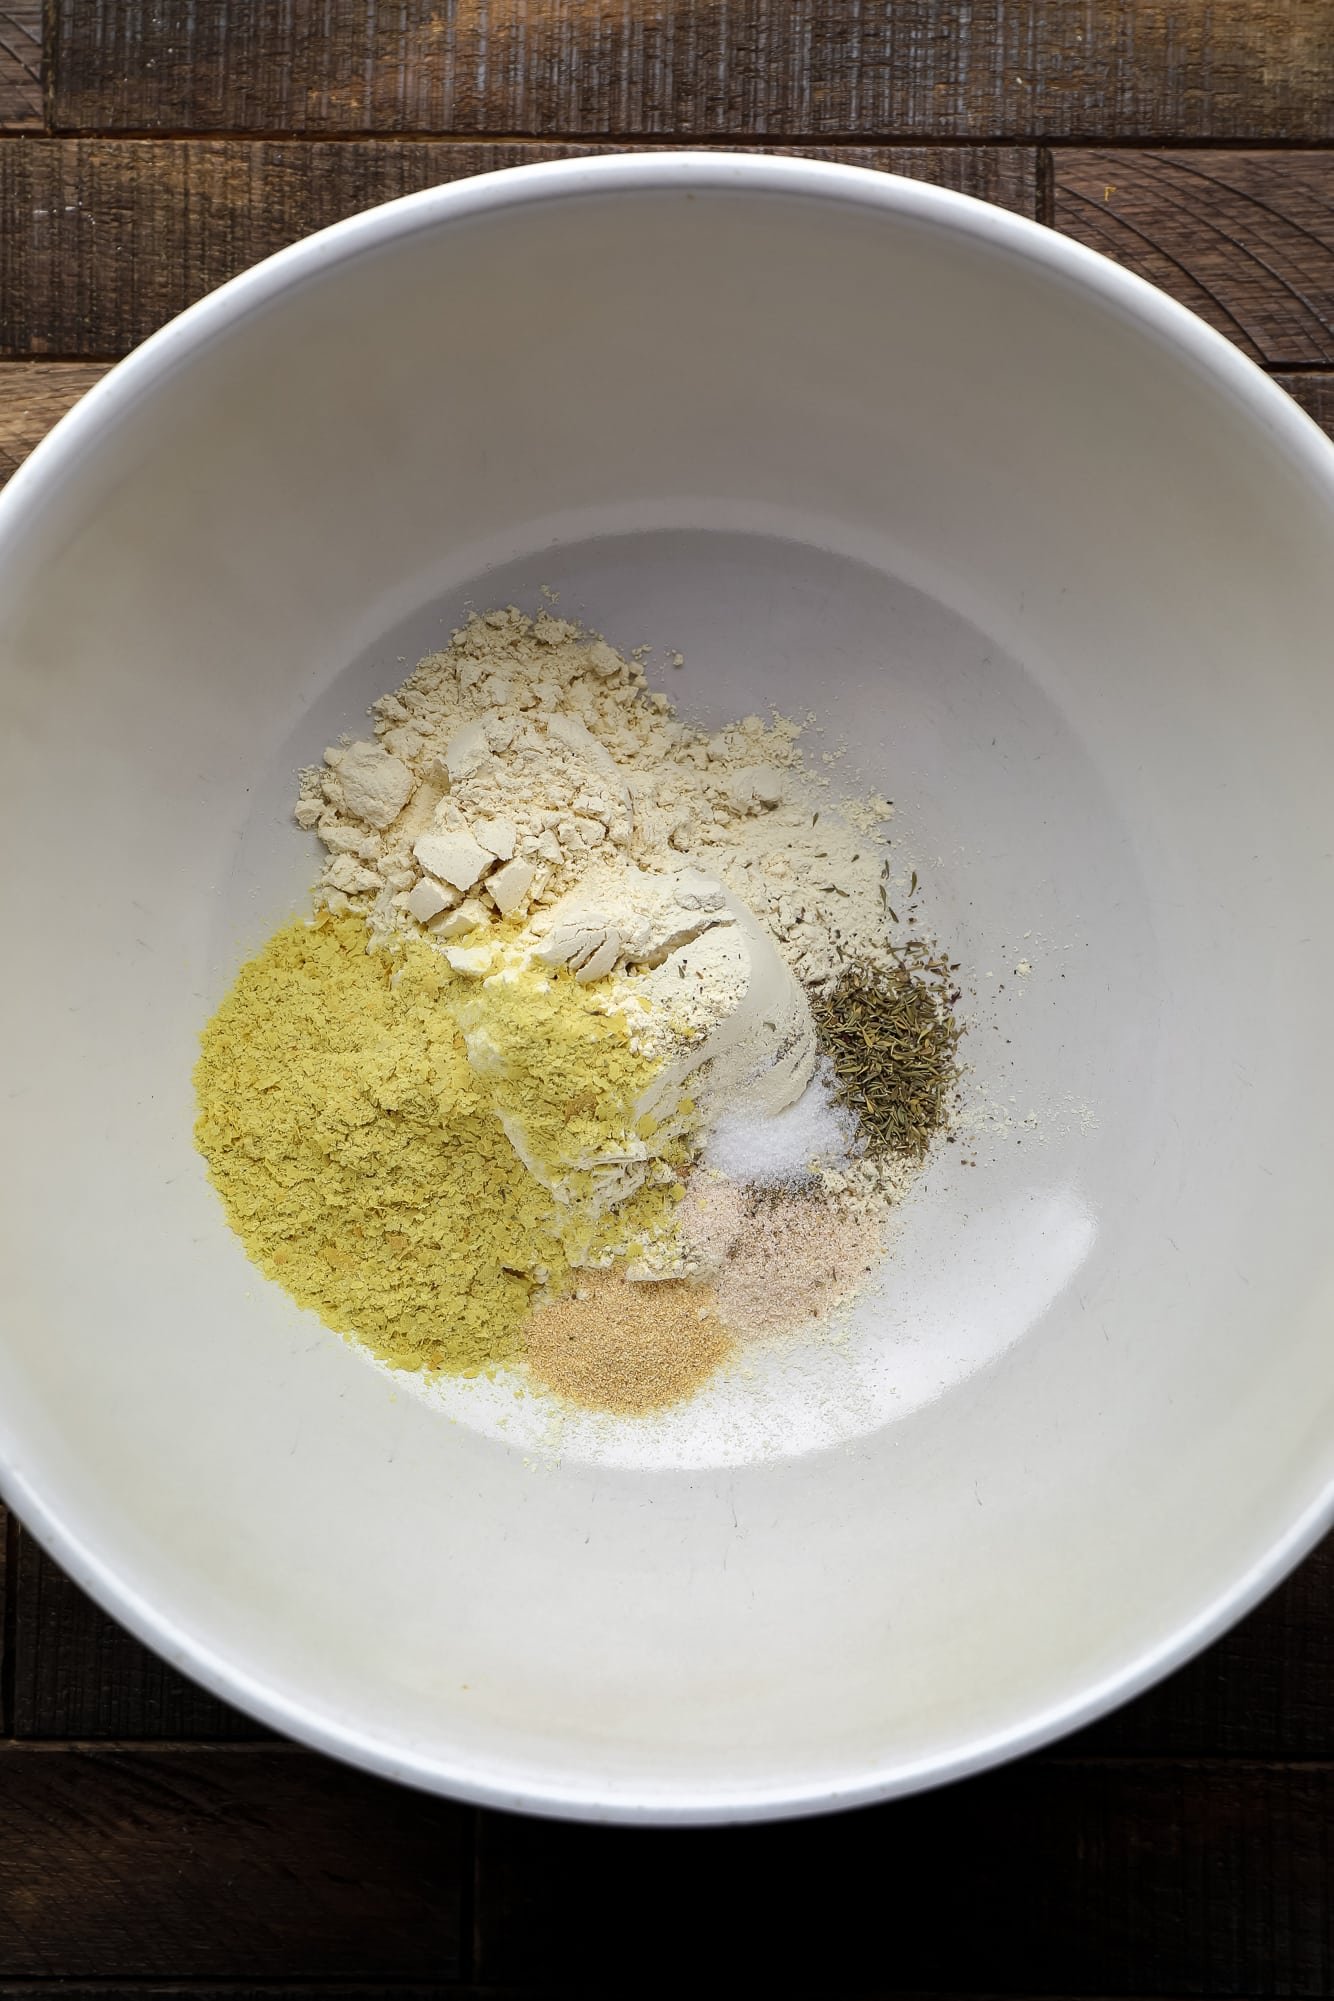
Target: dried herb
[(892, 1041)]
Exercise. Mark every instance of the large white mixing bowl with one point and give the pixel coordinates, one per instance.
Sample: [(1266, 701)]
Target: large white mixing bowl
[(1059, 565)]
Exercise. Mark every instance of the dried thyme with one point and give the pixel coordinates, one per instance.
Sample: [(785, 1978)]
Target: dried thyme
[(892, 1042)]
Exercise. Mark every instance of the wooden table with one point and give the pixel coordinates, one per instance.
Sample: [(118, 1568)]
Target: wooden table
[(148, 150)]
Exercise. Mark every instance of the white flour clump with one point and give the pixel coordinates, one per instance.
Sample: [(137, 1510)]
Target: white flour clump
[(529, 756), (699, 981)]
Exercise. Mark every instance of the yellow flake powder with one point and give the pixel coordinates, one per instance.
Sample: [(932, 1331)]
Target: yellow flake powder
[(563, 1082), (362, 1160)]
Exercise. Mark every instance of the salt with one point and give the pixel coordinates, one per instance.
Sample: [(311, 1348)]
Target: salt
[(770, 1150)]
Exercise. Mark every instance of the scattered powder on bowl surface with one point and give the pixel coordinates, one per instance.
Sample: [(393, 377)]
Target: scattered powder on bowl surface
[(779, 1261), (364, 1163), (627, 1347)]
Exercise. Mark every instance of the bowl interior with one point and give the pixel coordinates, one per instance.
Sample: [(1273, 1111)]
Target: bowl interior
[(1051, 569)]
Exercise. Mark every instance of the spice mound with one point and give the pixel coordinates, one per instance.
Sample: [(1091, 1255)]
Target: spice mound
[(602, 1052), (630, 1348), (364, 1162)]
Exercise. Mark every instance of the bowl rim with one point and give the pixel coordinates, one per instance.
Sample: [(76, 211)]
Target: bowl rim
[(1117, 290)]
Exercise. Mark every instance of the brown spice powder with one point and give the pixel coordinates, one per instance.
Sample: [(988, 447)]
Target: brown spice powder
[(627, 1346)]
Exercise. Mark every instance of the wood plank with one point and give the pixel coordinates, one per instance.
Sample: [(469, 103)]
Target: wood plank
[(21, 107), (1315, 393), (249, 1990), (76, 1673), (935, 69), (33, 396), (104, 240), (260, 1865), (8, 1532), (1061, 1878), (1244, 239)]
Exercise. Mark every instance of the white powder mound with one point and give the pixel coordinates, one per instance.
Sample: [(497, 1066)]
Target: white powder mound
[(701, 983), (697, 981), (529, 754), (769, 1151)]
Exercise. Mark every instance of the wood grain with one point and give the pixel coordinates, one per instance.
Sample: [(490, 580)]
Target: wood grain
[(76, 1673), (248, 1864), (249, 1990), (1224, 69), (1052, 1877), (1244, 239), (1315, 393), (21, 106), (8, 1537), (33, 396), (106, 239)]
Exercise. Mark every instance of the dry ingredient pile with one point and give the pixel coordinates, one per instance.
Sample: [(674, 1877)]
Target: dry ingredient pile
[(604, 1051)]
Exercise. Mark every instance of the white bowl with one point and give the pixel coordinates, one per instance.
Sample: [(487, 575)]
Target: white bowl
[(1056, 561)]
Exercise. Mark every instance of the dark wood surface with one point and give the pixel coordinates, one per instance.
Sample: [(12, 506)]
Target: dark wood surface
[(1234, 70), (1246, 239), (106, 239), (20, 65), (151, 1838)]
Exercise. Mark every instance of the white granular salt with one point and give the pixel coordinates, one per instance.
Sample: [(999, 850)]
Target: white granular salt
[(784, 1147)]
